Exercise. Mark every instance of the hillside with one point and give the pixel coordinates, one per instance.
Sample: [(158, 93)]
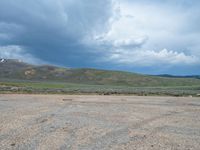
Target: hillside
[(15, 69)]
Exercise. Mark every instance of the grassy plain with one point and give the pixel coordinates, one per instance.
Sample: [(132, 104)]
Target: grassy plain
[(21, 86)]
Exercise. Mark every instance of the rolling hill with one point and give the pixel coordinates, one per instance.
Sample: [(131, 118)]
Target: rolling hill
[(15, 69)]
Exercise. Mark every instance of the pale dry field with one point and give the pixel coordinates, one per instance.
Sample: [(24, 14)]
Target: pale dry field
[(50, 122)]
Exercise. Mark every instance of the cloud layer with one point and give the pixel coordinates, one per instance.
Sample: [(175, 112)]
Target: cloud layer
[(49, 29), (153, 58), (137, 35)]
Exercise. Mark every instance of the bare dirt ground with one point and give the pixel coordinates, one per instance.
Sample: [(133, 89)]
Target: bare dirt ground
[(29, 122)]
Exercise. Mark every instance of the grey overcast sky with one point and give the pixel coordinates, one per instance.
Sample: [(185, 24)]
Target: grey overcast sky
[(151, 37)]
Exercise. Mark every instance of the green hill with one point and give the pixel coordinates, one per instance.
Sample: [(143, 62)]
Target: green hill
[(15, 69)]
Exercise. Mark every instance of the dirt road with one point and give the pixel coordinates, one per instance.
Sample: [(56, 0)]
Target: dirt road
[(29, 122)]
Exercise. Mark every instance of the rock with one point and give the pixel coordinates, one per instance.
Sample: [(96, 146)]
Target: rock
[(67, 99), (13, 144)]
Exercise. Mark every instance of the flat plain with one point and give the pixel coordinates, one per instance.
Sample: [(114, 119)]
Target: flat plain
[(83, 122)]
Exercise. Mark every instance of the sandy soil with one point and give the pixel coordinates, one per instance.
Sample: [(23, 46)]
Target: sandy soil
[(29, 122)]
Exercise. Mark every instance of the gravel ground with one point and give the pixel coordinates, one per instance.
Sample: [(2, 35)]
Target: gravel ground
[(29, 122)]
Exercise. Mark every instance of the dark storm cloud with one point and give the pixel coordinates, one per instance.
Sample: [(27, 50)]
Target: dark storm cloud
[(52, 30)]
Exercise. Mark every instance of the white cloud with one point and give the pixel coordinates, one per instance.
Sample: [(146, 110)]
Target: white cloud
[(151, 58), (17, 52), (130, 42), (141, 31)]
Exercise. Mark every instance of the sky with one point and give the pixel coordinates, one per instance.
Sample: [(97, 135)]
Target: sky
[(149, 37)]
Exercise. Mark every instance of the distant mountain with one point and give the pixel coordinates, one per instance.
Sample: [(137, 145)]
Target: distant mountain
[(173, 76), (15, 69)]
